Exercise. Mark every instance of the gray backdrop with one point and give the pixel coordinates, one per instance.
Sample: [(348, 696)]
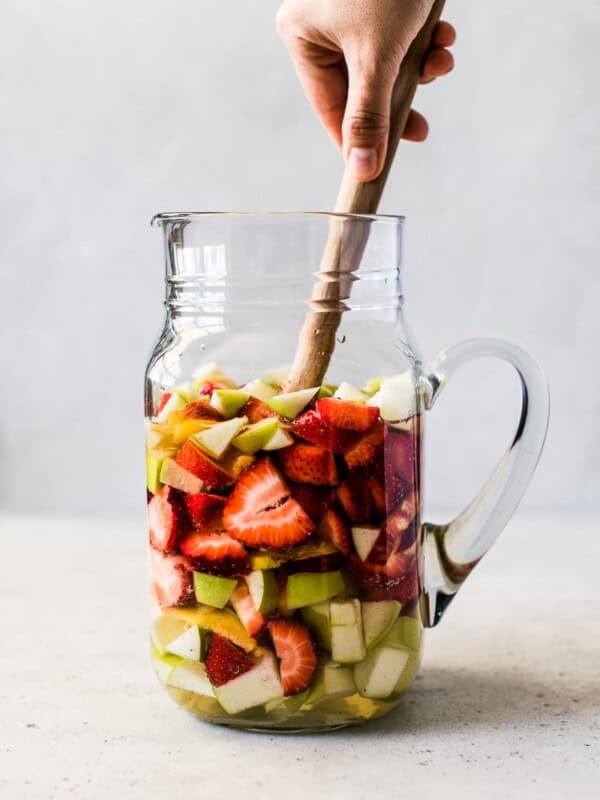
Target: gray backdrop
[(112, 111)]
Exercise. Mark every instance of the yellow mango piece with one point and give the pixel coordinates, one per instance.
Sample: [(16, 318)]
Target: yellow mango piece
[(222, 621)]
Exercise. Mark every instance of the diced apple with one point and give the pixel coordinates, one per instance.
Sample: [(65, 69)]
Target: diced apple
[(213, 590), (316, 618), (255, 437), (364, 538), (217, 439), (174, 403), (211, 373), (262, 585), (350, 393), (163, 663), (153, 468), (373, 385), (256, 687), (290, 404), (406, 632), (308, 588), (396, 398), (331, 682), (378, 619), (185, 391), (187, 645), (164, 630), (281, 438), (190, 676), (278, 376), (172, 474), (345, 612), (260, 389), (217, 620), (228, 401), (347, 639), (378, 675)]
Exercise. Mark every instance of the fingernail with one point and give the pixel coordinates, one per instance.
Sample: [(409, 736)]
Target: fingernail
[(362, 162)]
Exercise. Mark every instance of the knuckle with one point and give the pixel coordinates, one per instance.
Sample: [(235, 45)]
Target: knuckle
[(365, 124)]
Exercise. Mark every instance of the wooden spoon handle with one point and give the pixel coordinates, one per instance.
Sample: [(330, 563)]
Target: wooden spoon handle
[(345, 243)]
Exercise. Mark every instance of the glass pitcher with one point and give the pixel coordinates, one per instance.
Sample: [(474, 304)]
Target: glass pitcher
[(290, 569)]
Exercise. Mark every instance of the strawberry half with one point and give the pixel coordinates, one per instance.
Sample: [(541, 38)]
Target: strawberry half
[(167, 519), (203, 507), (334, 530), (216, 553), (315, 500), (399, 520), (295, 649), (171, 579), (400, 451), (260, 511), (377, 492), (395, 579), (249, 615), (366, 448), (346, 415), (404, 589), (225, 661), (311, 427), (308, 463), (256, 410), (355, 498), (199, 464)]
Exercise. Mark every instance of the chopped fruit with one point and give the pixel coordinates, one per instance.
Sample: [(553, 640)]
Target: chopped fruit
[(178, 432), (216, 554), (307, 463), (295, 649), (308, 588), (326, 390), (347, 639), (199, 464), (350, 393), (221, 621), (188, 644), (317, 619), (355, 498), (260, 511), (399, 520), (167, 520), (400, 453), (191, 677), (170, 579), (374, 385), (234, 463), (164, 630), (261, 390), (210, 372), (395, 488), (328, 563), (228, 401), (364, 538), (333, 528), (345, 612), (388, 577), (315, 430), (347, 415), (197, 410), (244, 607), (216, 439), (163, 402), (290, 404), (262, 585), (280, 439), (153, 467), (256, 436), (174, 475), (256, 687), (207, 388), (366, 448), (396, 398), (403, 589), (406, 632), (203, 507), (213, 590), (331, 682), (270, 559), (378, 619), (256, 410), (164, 663), (277, 377), (377, 493), (173, 403), (315, 500), (379, 673), (225, 661)]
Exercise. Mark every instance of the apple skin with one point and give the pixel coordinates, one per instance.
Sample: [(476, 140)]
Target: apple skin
[(379, 673), (213, 590), (378, 620), (290, 404), (228, 401), (256, 436), (308, 588), (263, 587)]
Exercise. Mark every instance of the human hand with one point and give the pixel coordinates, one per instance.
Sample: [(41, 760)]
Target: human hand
[(347, 54)]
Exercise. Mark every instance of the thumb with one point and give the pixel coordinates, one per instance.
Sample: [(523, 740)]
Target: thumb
[(366, 124)]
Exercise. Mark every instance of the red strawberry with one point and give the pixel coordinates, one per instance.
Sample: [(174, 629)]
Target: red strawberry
[(167, 519), (355, 498), (296, 650), (346, 415), (203, 507), (216, 553), (163, 402), (400, 451), (404, 590), (260, 511), (395, 488), (225, 661), (366, 448), (250, 616), (311, 427), (377, 492), (256, 410), (171, 579), (307, 463), (400, 519), (207, 388), (334, 530), (315, 500), (392, 579), (199, 464)]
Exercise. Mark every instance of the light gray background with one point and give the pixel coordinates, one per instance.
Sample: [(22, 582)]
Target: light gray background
[(111, 111)]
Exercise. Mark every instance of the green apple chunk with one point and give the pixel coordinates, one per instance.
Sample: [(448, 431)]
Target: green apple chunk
[(406, 632), (289, 704), (281, 438), (262, 585), (256, 436), (378, 619), (396, 398), (378, 675), (374, 385), (212, 590), (364, 538), (174, 403), (260, 389), (163, 663), (164, 630), (256, 687), (211, 373), (347, 639), (290, 404), (345, 612), (350, 393), (326, 390), (278, 376), (191, 676), (216, 439), (172, 474), (188, 644), (308, 588), (316, 618), (228, 401), (153, 468), (330, 683)]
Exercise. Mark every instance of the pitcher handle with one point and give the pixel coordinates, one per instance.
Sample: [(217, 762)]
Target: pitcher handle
[(451, 551)]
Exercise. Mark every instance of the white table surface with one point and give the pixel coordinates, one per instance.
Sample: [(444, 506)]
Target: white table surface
[(506, 705)]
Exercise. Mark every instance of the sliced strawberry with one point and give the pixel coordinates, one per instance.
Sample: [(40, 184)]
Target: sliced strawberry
[(313, 429), (216, 553), (403, 589), (163, 402), (225, 661), (400, 519), (167, 519), (171, 579), (366, 448), (260, 511), (395, 579), (400, 451), (249, 615), (296, 650), (395, 488), (315, 500), (377, 493), (199, 464), (346, 415), (355, 498), (203, 507), (307, 463), (256, 410), (207, 388), (333, 528)]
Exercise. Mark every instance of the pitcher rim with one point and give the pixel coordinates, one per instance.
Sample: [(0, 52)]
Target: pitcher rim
[(190, 216)]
